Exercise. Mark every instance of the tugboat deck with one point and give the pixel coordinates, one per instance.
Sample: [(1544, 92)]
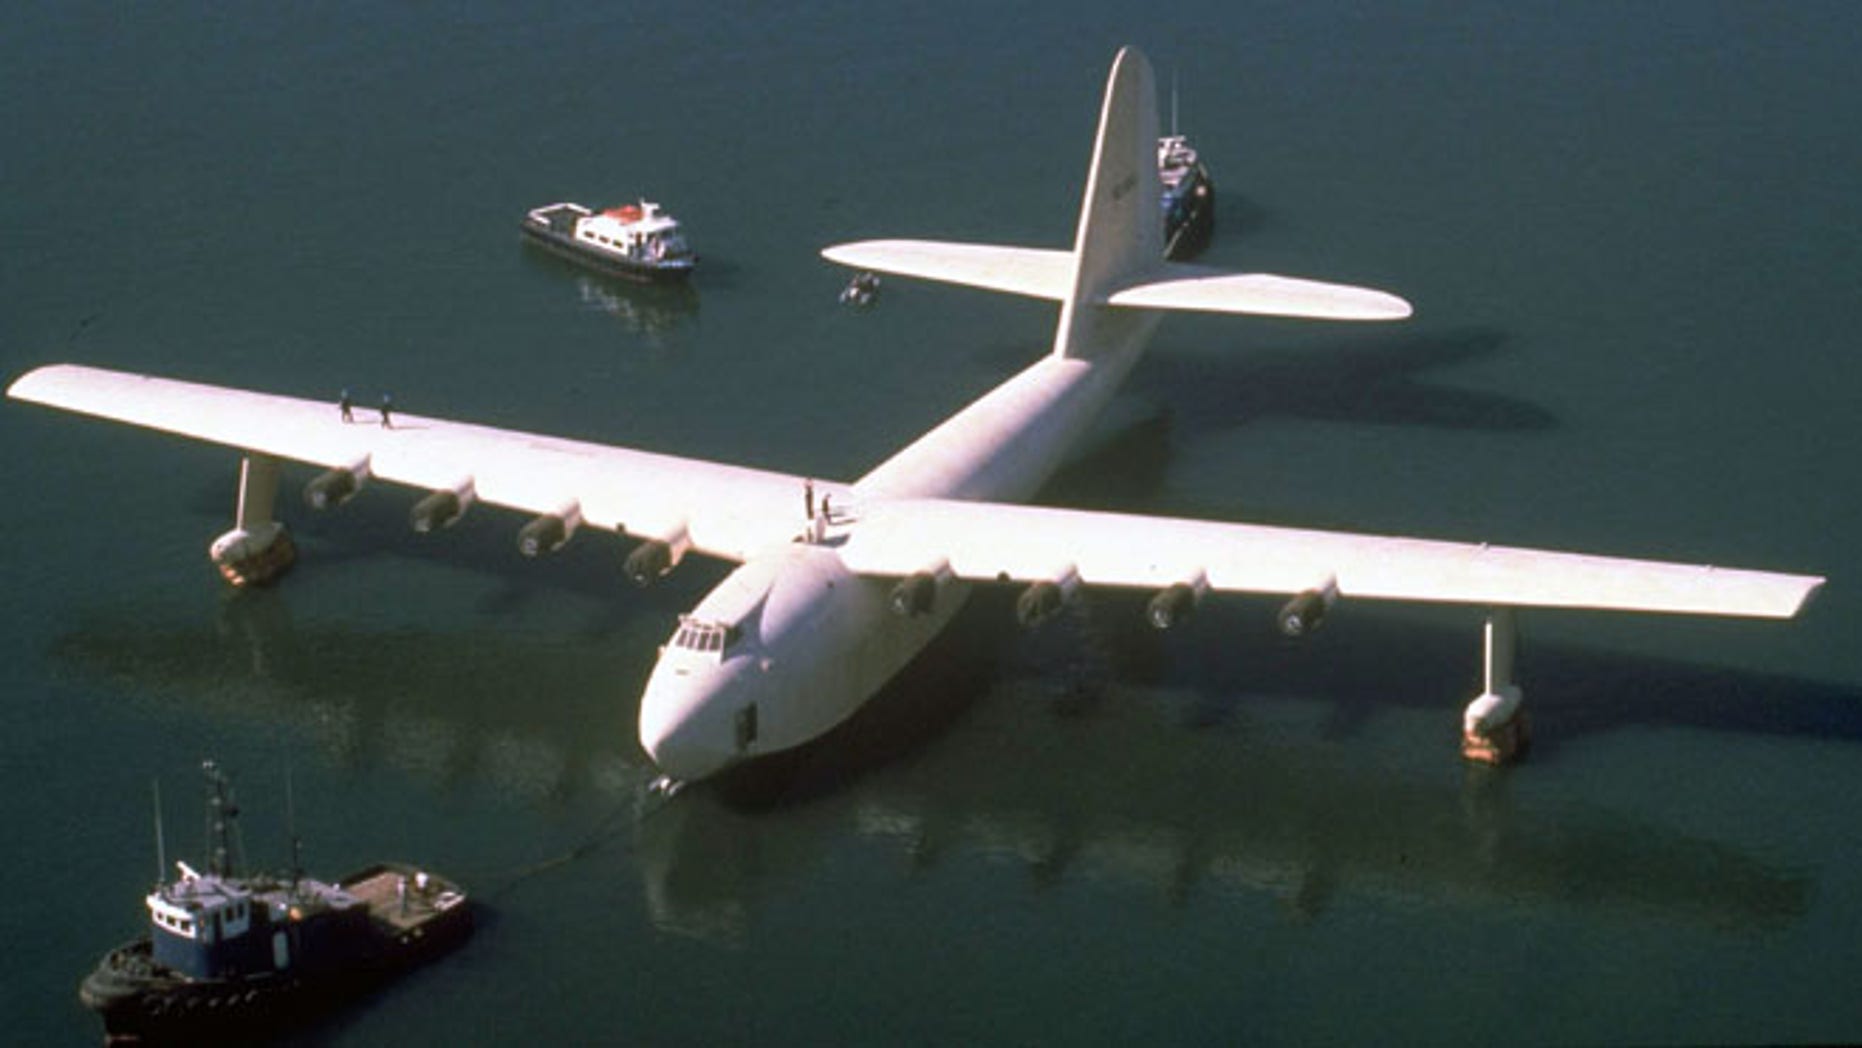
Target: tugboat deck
[(560, 218), (394, 897)]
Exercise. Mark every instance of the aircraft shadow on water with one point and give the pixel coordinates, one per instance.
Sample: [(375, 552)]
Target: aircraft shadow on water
[(1365, 382)]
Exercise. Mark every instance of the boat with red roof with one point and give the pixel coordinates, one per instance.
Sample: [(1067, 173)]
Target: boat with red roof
[(639, 241)]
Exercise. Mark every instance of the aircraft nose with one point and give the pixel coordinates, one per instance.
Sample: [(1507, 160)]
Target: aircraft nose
[(677, 726)]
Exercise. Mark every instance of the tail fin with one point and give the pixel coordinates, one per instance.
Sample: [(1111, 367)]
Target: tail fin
[(1115, 282), (1121, 234)]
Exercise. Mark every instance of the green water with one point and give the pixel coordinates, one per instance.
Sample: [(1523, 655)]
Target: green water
[(1631, 233)]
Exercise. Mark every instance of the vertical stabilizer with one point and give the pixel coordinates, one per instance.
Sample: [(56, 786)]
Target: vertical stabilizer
[(1121, 235)]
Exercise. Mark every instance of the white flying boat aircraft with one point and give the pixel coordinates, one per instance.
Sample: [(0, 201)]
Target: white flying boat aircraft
[(841, 584)]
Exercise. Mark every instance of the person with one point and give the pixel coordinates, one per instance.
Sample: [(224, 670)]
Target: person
[(808, 498), (387, 406), (345, 405)]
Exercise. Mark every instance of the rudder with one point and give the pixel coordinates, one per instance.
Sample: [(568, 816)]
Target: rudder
[(1120, 236)]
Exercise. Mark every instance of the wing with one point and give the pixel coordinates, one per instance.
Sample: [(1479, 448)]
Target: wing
[(725, 511), (982, 541)]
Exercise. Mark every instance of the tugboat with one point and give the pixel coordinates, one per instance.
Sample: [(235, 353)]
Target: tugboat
[(638, 241), (233, 956), (1189, 193)]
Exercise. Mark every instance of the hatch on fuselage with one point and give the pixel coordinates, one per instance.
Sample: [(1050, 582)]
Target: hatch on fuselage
[(702, 637)]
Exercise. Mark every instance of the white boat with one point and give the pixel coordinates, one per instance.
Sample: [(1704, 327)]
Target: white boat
[(638, 240)]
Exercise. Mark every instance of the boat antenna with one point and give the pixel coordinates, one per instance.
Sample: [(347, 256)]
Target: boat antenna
[(1173, 103), (222, 844), (290, 818), (161, 845)]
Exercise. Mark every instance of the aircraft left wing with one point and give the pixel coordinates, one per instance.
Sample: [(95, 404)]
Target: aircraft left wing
[(725, 511), (982, 541)]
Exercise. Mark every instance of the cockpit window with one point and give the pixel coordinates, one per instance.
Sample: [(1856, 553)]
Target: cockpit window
[(707, 638)]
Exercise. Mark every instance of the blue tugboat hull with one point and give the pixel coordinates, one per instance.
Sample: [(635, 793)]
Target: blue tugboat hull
[(139, 998), (1189, 217)]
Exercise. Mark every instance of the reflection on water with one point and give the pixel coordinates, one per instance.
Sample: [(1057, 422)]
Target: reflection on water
[(984, 751), (1128, 794), (535, 717), (652, 311)]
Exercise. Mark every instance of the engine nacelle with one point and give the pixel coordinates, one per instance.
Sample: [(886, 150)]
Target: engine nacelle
[(332, 489), (441, 509), (1172, 605), (654, 559), (546, 534), (914, 595), (1306, 612), (650, 561), (917, 594), (1038, 603), (1043, 600)]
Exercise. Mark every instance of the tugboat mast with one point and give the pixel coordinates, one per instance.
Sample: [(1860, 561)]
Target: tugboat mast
[(223, 848), (161, 843), (1173, 103)]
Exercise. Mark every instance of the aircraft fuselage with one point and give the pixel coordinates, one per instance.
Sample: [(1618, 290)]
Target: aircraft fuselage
[(802, 641)]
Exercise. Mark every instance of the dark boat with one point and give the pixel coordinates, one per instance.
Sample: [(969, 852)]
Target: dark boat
[(1189, 192), (639, 241), (1189, 198), (230, 955)]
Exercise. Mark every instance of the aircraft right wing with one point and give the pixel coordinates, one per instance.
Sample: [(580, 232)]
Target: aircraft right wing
[(984, 541), (726, 511)]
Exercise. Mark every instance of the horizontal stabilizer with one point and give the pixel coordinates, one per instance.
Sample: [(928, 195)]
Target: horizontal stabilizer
[(1049, 274), (1204, 289), (1032, 271)]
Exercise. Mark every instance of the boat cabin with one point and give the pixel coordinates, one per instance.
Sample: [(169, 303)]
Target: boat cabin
[(637, 232), (1176, 158), (202, 927)]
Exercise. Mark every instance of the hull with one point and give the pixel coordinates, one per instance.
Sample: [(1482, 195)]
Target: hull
[(1003, 447), (1190, 222)]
